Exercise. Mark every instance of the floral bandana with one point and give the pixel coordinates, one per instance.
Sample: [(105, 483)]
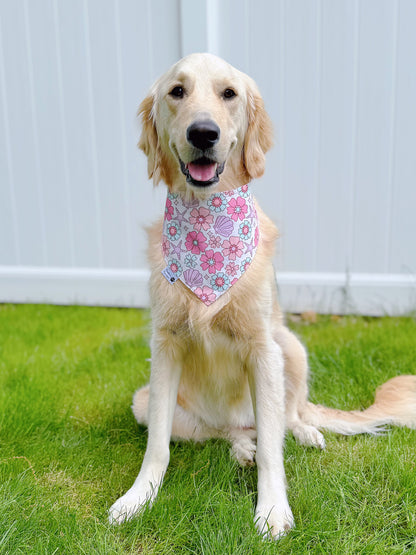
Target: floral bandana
[(209, 244)]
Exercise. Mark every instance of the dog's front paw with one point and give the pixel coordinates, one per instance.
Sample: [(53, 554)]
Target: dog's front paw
[(126, 507), (273, 522)]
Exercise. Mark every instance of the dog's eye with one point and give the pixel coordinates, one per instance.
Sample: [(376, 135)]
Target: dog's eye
[(178, 92), (229, 93)]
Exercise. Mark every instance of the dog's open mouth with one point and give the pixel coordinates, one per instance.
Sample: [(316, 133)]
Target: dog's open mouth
[(202, 172)]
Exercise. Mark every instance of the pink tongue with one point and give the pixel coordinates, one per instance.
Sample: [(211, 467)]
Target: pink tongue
[(202, 172)]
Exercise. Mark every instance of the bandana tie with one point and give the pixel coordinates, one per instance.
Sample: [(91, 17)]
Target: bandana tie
[(209, 244)]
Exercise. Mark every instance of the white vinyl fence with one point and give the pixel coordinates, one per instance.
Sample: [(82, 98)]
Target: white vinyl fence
[(339, 81)]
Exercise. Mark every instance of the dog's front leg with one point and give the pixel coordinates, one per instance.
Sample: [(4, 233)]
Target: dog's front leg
[(273, 515), (164, 382)]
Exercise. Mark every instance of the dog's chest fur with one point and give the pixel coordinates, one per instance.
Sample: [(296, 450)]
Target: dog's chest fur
[(214, 382)]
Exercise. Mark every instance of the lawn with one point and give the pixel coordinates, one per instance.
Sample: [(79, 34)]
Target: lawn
[(69, 445)]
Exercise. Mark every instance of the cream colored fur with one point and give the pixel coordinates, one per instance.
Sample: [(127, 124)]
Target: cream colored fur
[(230, 370)]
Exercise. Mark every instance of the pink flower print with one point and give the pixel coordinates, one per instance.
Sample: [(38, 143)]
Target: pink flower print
[(220, 282), (234, 281), (165, 246), (168, 210), (232, 248), (175, 267), (237, 208), (246, 263), (212, 261), (174, 231), (244, 230), (201, 217), (217, 202), (244, 191), (195, 242), (215, 242), (231, 268), (206, 294)]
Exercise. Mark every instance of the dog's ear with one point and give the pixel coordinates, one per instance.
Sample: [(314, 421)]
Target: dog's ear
[(149, 142), (259, 135)]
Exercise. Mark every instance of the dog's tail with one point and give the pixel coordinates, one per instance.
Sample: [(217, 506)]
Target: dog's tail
[(394, 404)]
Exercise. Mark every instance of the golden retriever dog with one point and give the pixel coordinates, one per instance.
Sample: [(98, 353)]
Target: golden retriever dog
[(224, 365)]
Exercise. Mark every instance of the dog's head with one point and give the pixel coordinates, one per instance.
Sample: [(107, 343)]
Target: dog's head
[(204, 126)]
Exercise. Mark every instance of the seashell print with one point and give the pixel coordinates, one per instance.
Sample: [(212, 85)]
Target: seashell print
[(224, 226), (193, 278)]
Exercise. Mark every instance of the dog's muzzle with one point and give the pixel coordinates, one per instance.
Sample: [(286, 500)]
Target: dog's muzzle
[(204, 171), (203, 134)]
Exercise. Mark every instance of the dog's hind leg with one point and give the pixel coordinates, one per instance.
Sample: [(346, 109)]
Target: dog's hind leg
[(296, 388), (243, 445), (187, 426)]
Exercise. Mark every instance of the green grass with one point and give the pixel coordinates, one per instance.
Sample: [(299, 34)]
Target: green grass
[(69, 445)]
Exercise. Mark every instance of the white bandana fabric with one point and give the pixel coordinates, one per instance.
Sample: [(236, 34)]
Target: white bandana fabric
[(209, 244)]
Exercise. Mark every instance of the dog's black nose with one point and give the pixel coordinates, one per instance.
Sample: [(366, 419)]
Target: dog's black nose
[(203, 134)]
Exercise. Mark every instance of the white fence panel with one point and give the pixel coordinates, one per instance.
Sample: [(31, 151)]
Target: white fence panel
[(339, 81)]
